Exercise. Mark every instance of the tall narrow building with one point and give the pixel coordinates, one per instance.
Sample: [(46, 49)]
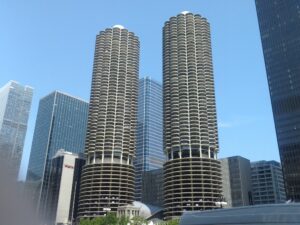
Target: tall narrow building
[(149, 152), (236, 181), (279, 23), (108, 176), (15, 103), (192, 173), (63, 189), (61, 124)]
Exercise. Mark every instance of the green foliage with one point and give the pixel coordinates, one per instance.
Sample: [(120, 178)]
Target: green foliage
[(171, 222), (109, 219), (98, 221), (123, 220), (112, 219), (137, 220), (84, 222)]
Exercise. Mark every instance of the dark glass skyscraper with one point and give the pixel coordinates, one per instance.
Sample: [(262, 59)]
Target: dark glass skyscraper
[(152, 187), (61, 124), (149, 152), (279, 23), (192, 173), (108, 176), (15, 103)]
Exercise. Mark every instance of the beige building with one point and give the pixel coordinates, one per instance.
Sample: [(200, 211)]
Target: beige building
[(108, 176), (139, 209), (192, 173)]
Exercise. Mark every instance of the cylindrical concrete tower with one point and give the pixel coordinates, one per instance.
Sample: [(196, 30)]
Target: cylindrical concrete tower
[(192, 173), (108, 177)]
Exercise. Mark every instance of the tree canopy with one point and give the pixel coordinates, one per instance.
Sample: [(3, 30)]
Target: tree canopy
[(112, 219)]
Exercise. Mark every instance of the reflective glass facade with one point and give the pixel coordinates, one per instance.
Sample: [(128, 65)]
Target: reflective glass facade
[(15, 103), (152, 187), (267, 183), (61, 124), (149, 153), (279, 22)]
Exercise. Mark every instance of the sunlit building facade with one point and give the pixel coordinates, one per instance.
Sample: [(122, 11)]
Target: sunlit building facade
[(108, 177), (63, 188), (192, 172), (61, 124), (236, 181), (15, 103)]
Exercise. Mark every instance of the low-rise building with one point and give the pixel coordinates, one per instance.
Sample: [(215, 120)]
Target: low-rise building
[(267, 182), (139, 209), (279, 214)]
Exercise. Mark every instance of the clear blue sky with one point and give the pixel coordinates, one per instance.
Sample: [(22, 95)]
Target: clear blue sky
[(50, 45)]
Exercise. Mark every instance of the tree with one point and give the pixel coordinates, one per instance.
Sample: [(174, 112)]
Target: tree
[(98, 221), (84, 222), (124, 220), (171, 222), (137, 220), (111, 219)]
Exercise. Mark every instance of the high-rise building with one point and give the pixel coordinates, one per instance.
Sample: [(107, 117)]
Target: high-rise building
[(61, 124), (149, 151), (192, 171), (236, 181), (63, 187), (108, 176), (152, 187), (267, 183), (279, 23), (15, 103), (226, 185)]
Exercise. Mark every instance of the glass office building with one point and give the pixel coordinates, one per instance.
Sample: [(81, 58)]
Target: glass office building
[(15, 103), (279, 23), (152, 187), (267, 183), (61, 124), (149, 152)]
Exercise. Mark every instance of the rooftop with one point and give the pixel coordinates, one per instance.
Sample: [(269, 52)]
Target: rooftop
[(118, 26)]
